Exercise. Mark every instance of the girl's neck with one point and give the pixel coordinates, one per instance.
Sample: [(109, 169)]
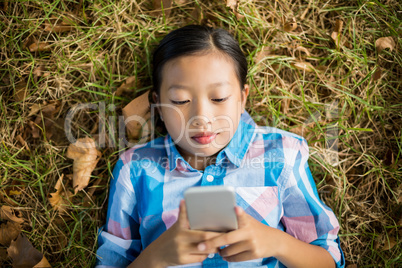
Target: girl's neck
[(196, 161)]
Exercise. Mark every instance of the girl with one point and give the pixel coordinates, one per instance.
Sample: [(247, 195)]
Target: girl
[(200, 91)]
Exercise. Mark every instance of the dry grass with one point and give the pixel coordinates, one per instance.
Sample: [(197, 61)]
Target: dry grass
[(348, 111)]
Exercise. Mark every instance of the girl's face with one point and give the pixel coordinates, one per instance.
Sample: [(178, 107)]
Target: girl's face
[(201, 103)]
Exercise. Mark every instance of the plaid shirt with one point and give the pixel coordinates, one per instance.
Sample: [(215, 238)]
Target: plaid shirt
[(268, 169)]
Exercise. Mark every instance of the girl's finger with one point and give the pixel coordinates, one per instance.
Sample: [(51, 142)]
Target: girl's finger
[(234, 249), (222, 240), (182, 218), (244, 256), (196, 237)]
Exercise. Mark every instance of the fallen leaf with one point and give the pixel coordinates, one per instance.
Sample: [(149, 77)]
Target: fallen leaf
[(377, 74), (40, 46), (25, 255), (34, 129), (60, 199), (128, 86), (232, 4), (158, 5), (304, 66), (21, 90), (3, 255), (45, 120), (264, 52), (39, 72), (197, 14), (336, 34), (181, 2), (389, 244), (303, 49), (55, 25), (22, 141), (85, 156), (43, 263), (7, 213), (49, 109), (290, 26), (8, 232), (384, 42), (4, 6), (136, 117)]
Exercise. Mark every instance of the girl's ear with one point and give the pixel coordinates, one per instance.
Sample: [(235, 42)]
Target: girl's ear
[(155, 97), (244, 94)]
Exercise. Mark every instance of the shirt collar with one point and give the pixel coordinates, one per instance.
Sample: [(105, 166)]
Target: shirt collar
[(234, 151), (238, 146)]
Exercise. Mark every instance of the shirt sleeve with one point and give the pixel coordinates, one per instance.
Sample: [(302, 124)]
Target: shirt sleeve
[(119, 241), (305, 216)]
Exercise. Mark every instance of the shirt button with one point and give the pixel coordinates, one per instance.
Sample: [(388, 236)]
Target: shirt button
[(211, 255), (210, 178)]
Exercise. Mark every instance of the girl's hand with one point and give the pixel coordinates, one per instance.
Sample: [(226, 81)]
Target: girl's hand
[(252, 240), (178, 244)]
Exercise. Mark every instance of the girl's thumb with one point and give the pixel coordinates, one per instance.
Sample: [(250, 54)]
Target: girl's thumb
[(182, 218)]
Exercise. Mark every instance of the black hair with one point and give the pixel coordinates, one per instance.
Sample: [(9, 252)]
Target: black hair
[(196, 39)]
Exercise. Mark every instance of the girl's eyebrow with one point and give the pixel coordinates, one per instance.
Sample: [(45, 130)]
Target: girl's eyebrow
[(177, 87), (218, 84)]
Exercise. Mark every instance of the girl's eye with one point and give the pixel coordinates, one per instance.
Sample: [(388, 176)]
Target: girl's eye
[(220, 100), (179, 102)]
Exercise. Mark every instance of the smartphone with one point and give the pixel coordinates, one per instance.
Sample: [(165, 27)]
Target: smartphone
[(211, 208)]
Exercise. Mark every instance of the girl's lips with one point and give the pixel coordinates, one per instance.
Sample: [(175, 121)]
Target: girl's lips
[(204, 138)]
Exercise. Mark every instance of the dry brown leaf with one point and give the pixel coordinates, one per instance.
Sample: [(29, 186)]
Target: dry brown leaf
[(43, 264), (85, 156), (384, 42), (25, 255), (48, 109), (128, 86), (389, 244), (158, 5), (197, 14), (60, 199), (290, 26), (45, 120), (336, 34), (15, 188), (40, 46), (55, 25), (7, 213), (8, 232), (303, 49), (136, 115), (181, 2), (4, 6), (3, 255), (22, 141), (21, 90), (38, 72), (304, 66), (377, 74), (264, 52), (232, 4)]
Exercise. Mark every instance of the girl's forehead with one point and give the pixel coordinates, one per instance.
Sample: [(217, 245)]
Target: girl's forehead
[(206, 66)]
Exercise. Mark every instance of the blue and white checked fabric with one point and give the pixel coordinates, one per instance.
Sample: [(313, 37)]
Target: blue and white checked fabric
[(266, 166)]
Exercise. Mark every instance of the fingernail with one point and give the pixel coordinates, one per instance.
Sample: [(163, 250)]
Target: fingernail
[(202, 247)]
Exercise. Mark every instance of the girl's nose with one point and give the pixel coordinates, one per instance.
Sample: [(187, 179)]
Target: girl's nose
[(200, 121), (201, 115)]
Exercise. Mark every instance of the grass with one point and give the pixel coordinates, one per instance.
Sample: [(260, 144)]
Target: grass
[(341, 100)]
